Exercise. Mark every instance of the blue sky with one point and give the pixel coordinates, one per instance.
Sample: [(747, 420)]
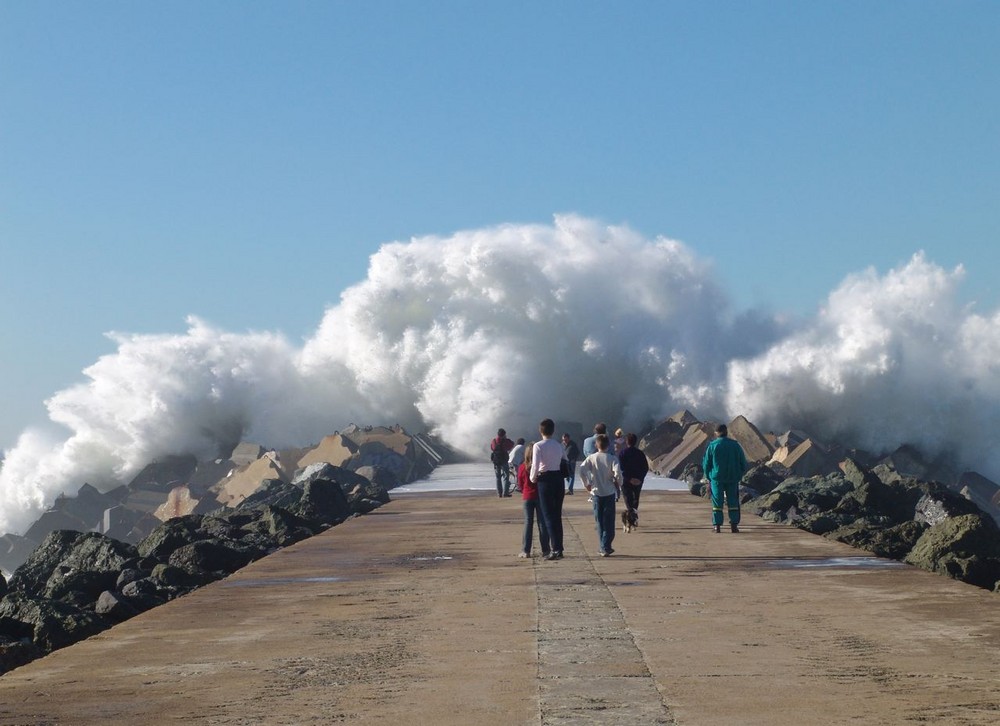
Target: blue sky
[(241, 160)]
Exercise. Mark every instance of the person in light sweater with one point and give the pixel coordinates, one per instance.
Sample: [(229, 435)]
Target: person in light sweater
[(601, 475)]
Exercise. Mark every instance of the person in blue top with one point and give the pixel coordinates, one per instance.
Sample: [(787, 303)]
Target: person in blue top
[(590, 443), (724, 465)]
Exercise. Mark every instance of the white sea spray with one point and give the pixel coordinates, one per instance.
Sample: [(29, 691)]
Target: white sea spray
[(503, 326)]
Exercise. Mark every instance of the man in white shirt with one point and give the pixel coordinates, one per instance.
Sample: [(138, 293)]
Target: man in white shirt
[(546, 472)]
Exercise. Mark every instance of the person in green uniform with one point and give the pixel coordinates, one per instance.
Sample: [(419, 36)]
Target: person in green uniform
[(724, 465)]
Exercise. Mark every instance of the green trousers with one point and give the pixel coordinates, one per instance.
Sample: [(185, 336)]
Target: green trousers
[(731, 492)]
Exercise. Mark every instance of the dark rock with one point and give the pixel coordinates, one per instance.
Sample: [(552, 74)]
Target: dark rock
[(323, 502), (871, 496), (362, 495), (15, 652), (126, 576), (225, 524), (796, 498), (377, 454), (3, 586), (172, 534), (966, 548), (147, 593), (700, 489), (114, 606), (822, 523), (78, 587), (53, 624), (938, 503), (211, 556), (277, 527), (763, 478), (894, 542), (273, 492), (64, 551), (691, 474), (379, 476)]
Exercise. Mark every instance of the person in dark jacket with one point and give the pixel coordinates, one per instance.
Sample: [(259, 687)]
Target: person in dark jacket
[(635, 466), (572, 452), (724, 465), (500, 449)]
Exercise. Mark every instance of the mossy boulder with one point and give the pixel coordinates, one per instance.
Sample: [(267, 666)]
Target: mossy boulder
[(966, 548)]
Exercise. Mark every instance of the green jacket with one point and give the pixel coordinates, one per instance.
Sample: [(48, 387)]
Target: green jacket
[(724, 461)]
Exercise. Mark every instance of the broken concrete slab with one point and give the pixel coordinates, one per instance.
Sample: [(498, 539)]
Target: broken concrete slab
[(690, 450), (246, 453), (755, 445), (334, 449), (164, 474), (808, 458), (246, 480)]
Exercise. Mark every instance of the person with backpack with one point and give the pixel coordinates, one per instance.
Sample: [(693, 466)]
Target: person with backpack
[(500, 449)]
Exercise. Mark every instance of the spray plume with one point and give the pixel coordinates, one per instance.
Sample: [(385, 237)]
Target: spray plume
[(507, 325)]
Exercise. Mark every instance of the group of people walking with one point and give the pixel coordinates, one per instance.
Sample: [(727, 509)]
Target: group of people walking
[(546, 472)]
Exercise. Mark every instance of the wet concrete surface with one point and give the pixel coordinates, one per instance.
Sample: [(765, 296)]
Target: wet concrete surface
[(421, 613)]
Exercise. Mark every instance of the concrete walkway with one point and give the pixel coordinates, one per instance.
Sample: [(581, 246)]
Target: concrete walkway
[(421, 613)]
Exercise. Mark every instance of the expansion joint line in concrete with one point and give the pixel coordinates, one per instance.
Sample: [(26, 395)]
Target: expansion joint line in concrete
[(590, 670)]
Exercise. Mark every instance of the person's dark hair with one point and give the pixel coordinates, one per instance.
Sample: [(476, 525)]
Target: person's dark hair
[(631, 439), (546, 427), (602, 442), (520, 441), (501, 432), (601, 428), (721, 430)]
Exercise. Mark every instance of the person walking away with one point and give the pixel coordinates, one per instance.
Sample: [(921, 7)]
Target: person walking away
[(500, 449), (590, 443), (635, 467), (515, 459), (601, 475), (529, 494), (546, 456), (724, 465), (619, 442), (571, 452)]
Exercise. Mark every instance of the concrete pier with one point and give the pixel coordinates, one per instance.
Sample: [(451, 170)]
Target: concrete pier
[(421, 613)]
